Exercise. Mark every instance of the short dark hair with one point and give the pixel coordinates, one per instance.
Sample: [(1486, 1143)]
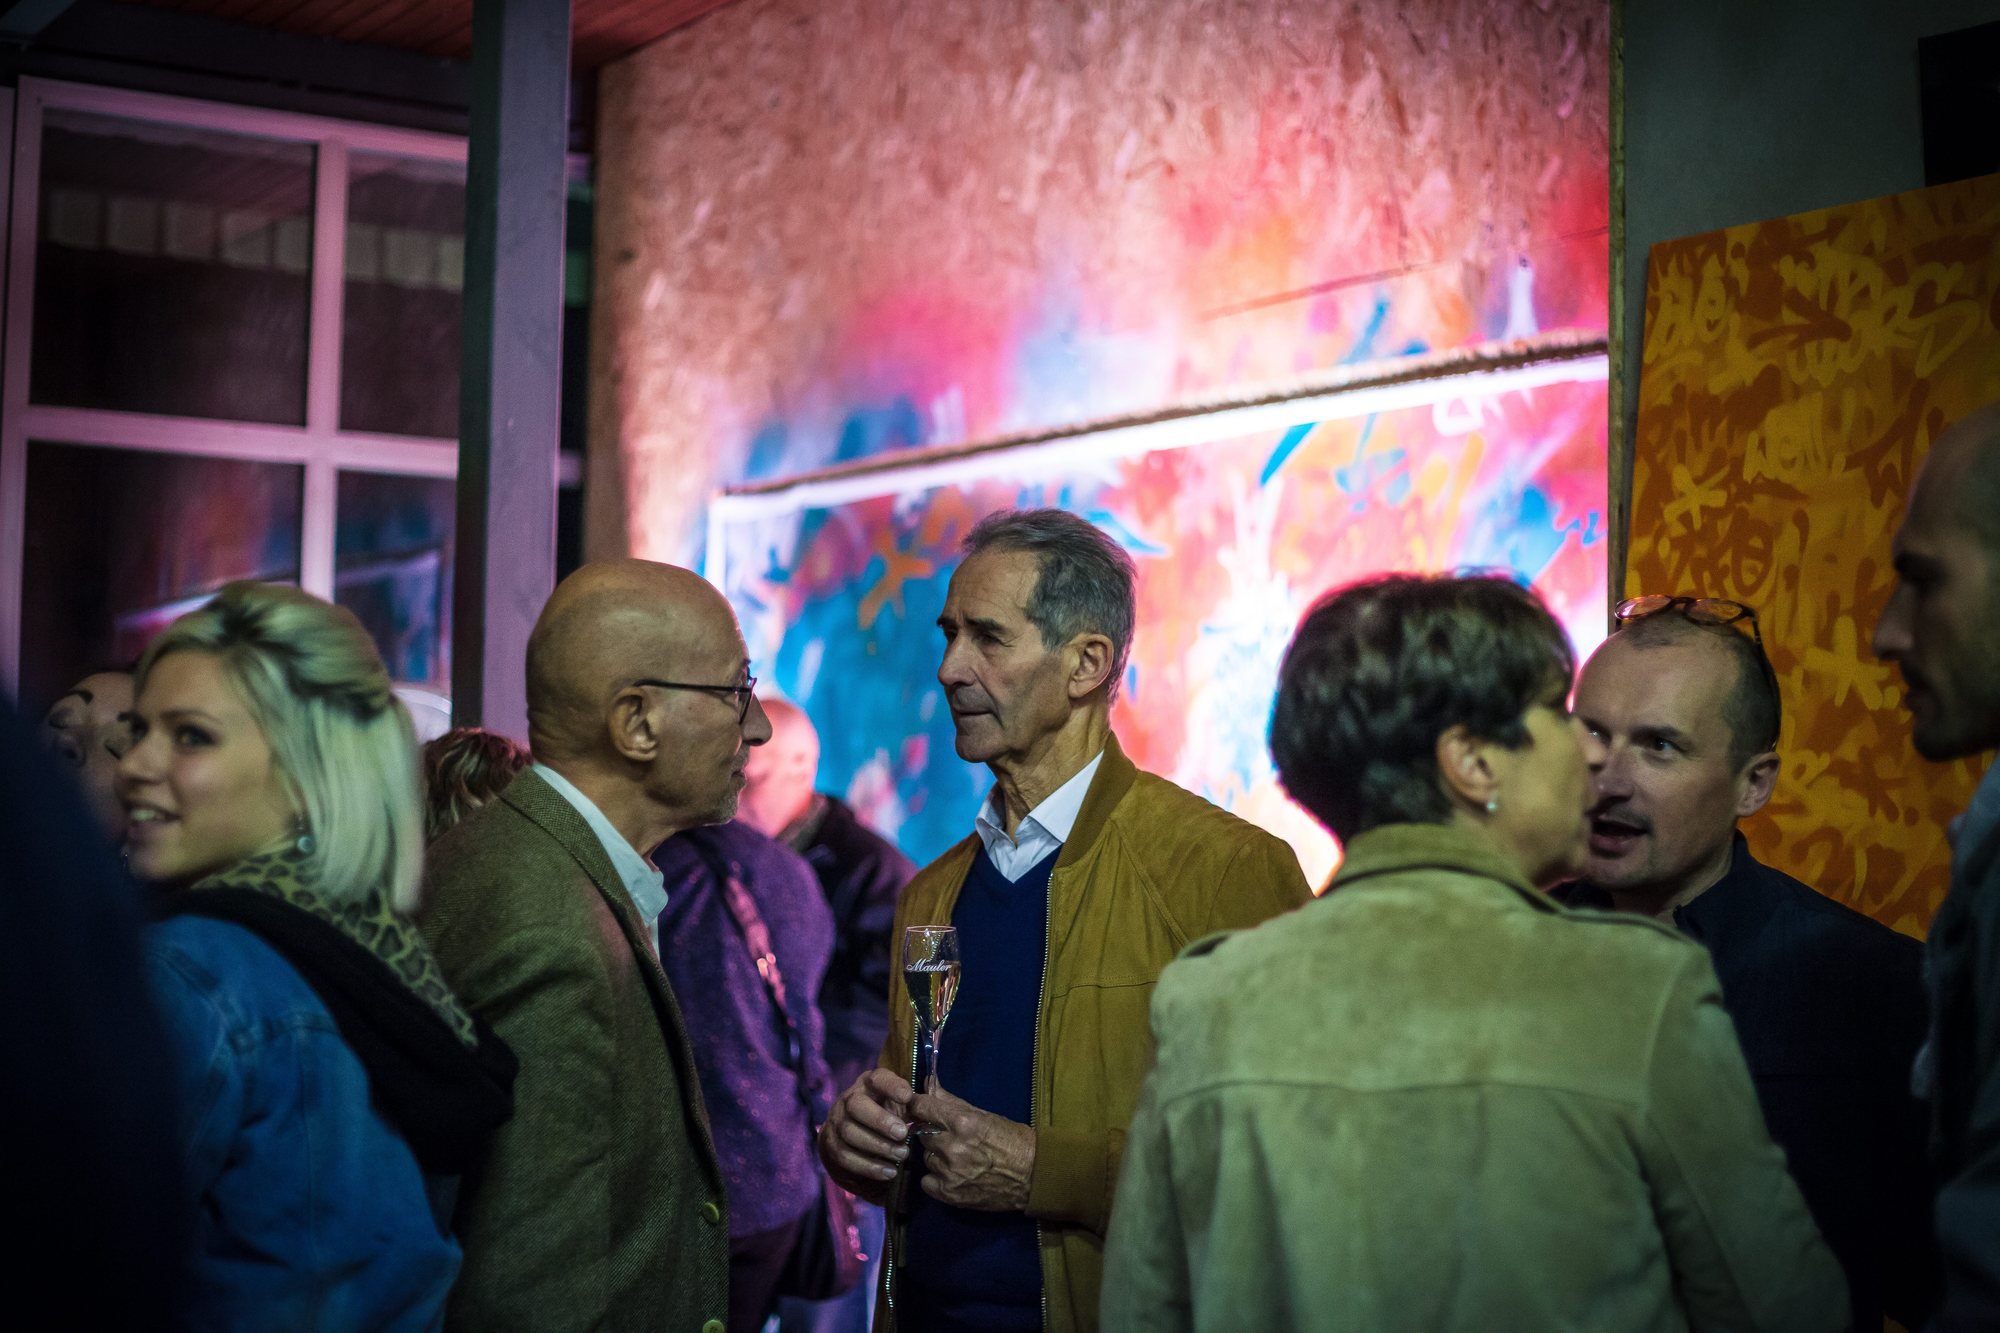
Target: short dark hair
[(1378, 670), (1085, 583), (1753, 707)]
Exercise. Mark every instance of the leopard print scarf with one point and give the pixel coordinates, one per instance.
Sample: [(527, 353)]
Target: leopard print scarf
[(287, 874)]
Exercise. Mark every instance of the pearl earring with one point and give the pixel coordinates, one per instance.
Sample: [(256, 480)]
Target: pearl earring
[(1492, 805), (304, 843)]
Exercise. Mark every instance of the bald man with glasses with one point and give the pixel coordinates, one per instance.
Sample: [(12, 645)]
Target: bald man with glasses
[(601, 1205)]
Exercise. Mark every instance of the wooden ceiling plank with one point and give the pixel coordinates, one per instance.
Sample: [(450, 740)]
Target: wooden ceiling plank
[(448, 35), (612, 29), (339, 18), (274, 14), (407, 27), (602, 30)]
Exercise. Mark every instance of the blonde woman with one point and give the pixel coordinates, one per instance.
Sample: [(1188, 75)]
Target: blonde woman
[(332, 1087)]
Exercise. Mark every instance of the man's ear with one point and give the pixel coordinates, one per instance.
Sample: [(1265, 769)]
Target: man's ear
[(1092, 666), (1465, 768), (1758, 780), (631, 726)]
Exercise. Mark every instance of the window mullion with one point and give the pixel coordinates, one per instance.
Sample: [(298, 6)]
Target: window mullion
[(329, 287), (316, 525)]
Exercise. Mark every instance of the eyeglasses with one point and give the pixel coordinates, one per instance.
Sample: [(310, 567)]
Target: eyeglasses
[(1701, 610), (744, 693)]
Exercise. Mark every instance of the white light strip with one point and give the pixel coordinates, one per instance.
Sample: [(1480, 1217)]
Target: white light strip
[(1148, 437)]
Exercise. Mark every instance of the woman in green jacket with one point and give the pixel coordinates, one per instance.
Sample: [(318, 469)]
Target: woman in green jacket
[(1435, 1099)]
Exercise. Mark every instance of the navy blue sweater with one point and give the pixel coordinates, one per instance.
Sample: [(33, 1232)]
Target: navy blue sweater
[(969, 1270)]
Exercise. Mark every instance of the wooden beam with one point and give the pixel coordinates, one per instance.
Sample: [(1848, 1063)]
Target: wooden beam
[(510, 400)]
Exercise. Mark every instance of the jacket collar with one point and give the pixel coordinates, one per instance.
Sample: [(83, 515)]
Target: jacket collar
[(1115, 776), (1736, 906), (1732, 909), (543, 806), (546, 808), (1394, 848)]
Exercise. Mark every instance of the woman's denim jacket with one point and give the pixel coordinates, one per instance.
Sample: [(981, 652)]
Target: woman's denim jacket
[(314, 1214)]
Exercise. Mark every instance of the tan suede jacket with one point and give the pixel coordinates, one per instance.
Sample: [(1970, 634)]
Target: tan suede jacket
[(1437, 1100), (1147, 869)]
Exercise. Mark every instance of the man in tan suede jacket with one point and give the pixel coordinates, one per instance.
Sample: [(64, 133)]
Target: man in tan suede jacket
[(1083, 879)]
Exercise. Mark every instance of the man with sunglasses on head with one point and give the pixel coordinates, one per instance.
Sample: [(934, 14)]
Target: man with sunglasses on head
[(1828, 1004), (601, 1204)]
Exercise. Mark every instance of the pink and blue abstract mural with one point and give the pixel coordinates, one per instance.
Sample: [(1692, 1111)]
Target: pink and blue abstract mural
[(1233, 538)]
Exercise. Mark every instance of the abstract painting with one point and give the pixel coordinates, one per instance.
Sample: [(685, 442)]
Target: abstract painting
[(1233, 537)]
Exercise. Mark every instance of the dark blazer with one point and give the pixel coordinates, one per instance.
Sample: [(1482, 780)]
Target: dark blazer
[(1964, 1077), (1829, 1008), (600, 1204)]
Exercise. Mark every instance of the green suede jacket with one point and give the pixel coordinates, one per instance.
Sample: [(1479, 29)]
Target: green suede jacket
[(1437, 1100)]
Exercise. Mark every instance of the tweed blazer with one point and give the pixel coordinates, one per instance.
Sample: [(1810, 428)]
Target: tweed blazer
[(600, 1204)]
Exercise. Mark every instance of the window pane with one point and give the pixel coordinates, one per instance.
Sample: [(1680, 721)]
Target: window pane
[(392, 556), (405, 273), (172, 270), (119, 542)]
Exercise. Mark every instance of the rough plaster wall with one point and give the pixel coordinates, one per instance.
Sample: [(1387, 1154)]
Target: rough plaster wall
[(831, 227)]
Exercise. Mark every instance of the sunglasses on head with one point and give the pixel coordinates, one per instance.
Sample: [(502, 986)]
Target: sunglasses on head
[(1701, 610)]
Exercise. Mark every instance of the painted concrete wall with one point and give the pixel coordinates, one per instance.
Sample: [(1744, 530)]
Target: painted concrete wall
[(833, 228)]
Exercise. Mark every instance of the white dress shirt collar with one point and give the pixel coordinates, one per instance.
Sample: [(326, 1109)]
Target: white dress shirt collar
[(642, 879), (1043, 829)]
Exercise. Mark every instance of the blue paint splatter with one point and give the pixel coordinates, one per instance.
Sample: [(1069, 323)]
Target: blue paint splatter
[(1364, 346), (1519, 533), (875, 690), (770, 451), (873, 430), (1288, 444)]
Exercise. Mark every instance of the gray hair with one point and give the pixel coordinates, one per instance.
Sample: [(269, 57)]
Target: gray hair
[(1085, 583), (316, 687)]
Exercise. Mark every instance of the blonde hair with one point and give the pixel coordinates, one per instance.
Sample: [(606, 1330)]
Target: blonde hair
[(316, 687), (463, 770)]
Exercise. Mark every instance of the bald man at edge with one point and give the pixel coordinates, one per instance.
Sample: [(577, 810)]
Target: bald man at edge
[(1942, 630), (600, 1205)]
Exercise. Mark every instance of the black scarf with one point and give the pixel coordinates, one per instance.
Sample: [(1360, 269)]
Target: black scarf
[(445, 1097)]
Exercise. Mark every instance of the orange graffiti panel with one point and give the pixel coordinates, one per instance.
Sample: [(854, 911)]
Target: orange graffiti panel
[(1795, 374)]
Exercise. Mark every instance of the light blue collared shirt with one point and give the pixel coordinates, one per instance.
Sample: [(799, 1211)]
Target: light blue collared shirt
[(1043, 829), (642, 879)]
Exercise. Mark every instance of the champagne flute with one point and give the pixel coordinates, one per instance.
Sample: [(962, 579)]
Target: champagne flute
[(930, 973)]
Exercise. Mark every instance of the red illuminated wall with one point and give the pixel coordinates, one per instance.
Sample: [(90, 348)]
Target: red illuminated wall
[(832, 228)]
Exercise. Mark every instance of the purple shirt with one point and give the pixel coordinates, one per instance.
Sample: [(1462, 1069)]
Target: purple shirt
[(763, 1135)]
